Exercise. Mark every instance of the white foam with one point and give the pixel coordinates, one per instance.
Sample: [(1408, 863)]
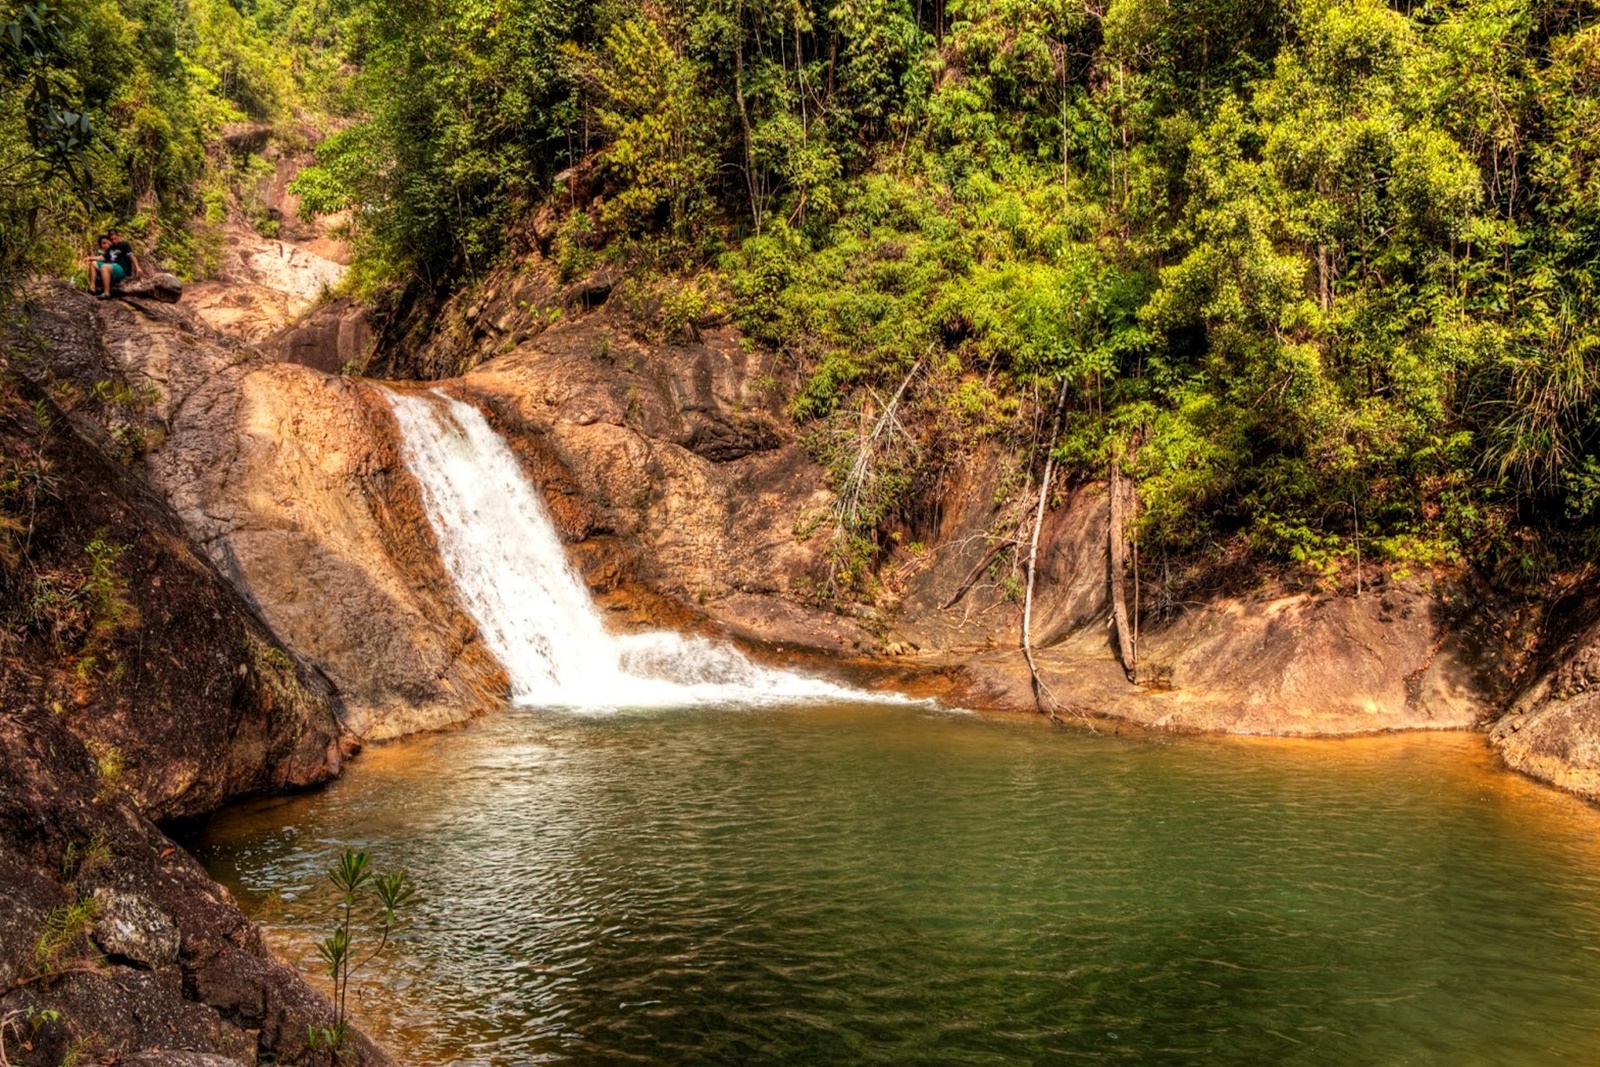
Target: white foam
[(502, 552)]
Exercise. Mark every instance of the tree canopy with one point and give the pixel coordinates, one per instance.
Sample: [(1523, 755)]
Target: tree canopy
[(1307, 267)]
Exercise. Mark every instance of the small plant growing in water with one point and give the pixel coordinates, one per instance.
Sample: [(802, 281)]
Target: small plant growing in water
[(370, 903)]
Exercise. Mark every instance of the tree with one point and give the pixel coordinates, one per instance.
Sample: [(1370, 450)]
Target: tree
[(663, 130)]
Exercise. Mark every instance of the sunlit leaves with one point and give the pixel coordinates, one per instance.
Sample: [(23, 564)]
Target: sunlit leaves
[(653, 104)]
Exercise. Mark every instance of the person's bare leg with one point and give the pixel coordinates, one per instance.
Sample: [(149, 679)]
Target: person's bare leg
[(105, 280)]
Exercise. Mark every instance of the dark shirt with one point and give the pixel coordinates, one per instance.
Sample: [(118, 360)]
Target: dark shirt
[(121, 254)]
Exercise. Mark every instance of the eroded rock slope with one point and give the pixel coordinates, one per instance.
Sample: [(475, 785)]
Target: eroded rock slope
[(1552, 730), (687, 498), (135, 686), (289, 480), (682, 452)]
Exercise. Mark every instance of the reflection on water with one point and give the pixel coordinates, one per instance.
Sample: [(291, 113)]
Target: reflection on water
[(846, 885)]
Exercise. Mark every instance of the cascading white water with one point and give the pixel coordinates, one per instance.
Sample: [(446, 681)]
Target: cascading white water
[(502, 552)]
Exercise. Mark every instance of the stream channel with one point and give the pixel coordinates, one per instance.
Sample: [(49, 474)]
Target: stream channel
[(666, 854)]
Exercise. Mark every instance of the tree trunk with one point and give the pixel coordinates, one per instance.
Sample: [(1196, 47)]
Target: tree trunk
[(752, 181), (1324, 278), (1040, 690), (1126, 647)]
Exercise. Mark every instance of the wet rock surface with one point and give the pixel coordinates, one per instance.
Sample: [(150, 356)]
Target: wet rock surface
[(181, 1059), (678, 454), (263, 283), (310, 511)]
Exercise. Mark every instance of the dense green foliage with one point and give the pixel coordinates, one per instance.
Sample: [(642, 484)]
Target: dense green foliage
[(110, 114), (1308, 268), (467, 111)]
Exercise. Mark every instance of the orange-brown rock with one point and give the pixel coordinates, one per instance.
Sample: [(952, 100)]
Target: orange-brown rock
[(1552, 730), (135, 685), (289, 480)]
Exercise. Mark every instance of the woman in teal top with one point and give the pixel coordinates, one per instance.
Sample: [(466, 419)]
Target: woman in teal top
[(112, 265)]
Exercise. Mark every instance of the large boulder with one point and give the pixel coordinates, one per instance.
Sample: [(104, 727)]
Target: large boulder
[(158, 286), (334, 338), (1552, 729), (129, 927)]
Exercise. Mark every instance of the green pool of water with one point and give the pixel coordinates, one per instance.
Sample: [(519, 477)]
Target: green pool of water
[(894, 885)]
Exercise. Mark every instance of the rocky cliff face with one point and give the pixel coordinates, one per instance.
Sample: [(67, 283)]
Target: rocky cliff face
[(687, 498), (122, 632), (680, 453), (674, 461), (135, 685), (292, 481), (1552, 730), (115, 946), (1411, 654), (289, 480)]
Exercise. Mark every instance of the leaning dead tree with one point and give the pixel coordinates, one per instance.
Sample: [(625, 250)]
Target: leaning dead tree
[(1000, 545), (1043, 699), (1116, 536)]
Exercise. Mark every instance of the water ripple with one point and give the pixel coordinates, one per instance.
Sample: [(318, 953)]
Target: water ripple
[(885, 885)]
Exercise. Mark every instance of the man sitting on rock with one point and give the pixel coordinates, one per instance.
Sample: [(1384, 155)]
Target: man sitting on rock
[(114, 263)]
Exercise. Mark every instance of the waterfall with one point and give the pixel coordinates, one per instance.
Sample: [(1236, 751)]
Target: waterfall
[(502, 552)]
